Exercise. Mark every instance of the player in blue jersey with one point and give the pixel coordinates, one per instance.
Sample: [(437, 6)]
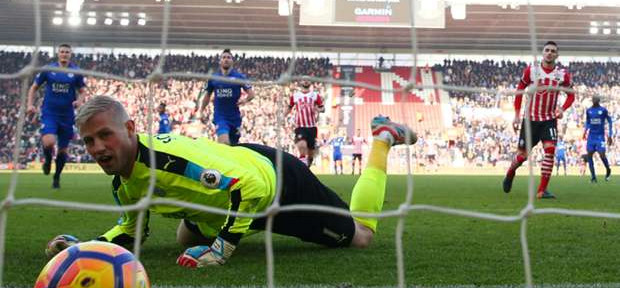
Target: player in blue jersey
[(560, 156), (337, 144), (164, 121), (63, 93), (226, 114), (595, 131)]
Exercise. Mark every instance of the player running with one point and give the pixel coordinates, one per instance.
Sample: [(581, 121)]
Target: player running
[(543, 113), (235, 178), (307, 104), (63, 93), (226, 114), (595, 131)]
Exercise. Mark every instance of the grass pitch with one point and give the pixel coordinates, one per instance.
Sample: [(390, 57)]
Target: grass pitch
[(440, 250)]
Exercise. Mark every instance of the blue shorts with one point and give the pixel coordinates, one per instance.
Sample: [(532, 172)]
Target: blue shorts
[(596, 146), (337, 156), (62, 127), (227, 127), (560, 158)]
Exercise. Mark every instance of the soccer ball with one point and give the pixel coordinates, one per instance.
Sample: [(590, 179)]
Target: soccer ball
[(93, 264)]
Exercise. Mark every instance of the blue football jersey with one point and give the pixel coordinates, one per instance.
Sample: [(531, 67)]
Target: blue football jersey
[(164, 124), (595, 123), (337, 144), (560, 149), (226, 96), (60, 90)]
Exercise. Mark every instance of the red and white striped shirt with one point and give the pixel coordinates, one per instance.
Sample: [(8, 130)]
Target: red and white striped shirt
[(305, 107), (357, 144), (544, 102)]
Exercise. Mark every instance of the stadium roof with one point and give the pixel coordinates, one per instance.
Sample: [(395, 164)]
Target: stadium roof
[(256, 23)]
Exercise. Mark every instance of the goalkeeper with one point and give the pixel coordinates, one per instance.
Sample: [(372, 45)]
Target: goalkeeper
[(238, 178)]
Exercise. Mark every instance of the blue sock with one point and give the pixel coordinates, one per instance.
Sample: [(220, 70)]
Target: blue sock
[(591, 166), (61, 159), (605, 162)]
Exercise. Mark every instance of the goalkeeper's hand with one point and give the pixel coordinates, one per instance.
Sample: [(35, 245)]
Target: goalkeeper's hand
[(200, 256), (59, 243)]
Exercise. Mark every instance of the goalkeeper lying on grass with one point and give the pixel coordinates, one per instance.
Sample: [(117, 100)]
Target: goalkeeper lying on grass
[(240, 178)]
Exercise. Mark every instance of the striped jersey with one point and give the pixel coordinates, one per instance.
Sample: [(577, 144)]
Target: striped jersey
[(305, 107), (544, 102)]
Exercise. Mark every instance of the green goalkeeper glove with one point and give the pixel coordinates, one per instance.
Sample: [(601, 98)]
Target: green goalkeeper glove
[(59, 243)]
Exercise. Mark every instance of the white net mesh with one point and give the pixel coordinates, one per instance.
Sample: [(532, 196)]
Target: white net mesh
[(407, 206)]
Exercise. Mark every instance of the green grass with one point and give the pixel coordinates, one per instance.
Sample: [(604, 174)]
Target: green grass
[(439, 249)]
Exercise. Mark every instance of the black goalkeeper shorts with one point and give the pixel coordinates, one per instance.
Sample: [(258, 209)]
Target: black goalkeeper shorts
[(300, 186)]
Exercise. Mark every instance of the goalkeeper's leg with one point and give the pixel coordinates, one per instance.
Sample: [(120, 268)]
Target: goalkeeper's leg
[(369, 191), (189, 234)]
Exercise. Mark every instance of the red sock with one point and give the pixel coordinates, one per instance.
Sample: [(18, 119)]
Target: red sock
[(546, 168), (516, 163)]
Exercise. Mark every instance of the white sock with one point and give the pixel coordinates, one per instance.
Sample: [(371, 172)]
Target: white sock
[(385, 136)]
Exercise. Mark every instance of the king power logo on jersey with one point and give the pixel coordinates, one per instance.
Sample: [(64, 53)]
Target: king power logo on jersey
[(61, 87), (224, 93)]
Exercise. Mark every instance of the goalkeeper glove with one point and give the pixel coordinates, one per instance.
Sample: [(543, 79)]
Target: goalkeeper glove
[(59, 243), (200, 256)]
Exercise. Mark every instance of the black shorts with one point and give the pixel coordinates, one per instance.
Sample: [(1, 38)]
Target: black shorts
[(541, 131), (584, 158), (300, 186), (308, 134), (357, 156)]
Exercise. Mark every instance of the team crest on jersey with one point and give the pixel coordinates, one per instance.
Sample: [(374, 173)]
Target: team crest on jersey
[(210, 178), (70, 75)]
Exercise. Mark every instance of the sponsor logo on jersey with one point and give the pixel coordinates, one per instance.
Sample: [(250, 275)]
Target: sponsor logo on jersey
[(224, 93)]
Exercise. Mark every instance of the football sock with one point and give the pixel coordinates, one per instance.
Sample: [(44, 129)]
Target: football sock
[(61, 159), (369, 191), (591, 167), (47, 153), (516, 163), (606, 163), (546, 168)]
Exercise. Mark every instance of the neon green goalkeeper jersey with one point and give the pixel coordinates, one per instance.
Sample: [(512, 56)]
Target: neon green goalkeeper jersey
[(197, 171)]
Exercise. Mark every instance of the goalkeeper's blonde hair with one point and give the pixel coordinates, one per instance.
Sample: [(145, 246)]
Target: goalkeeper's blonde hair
[(100, 104)]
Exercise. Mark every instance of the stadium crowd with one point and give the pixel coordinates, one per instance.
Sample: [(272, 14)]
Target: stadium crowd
[(481, 134), (179, 95)]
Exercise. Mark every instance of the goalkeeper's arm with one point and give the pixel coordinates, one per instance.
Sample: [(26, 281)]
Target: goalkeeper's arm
[(120, 235), (244, 197), (123, 233)]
